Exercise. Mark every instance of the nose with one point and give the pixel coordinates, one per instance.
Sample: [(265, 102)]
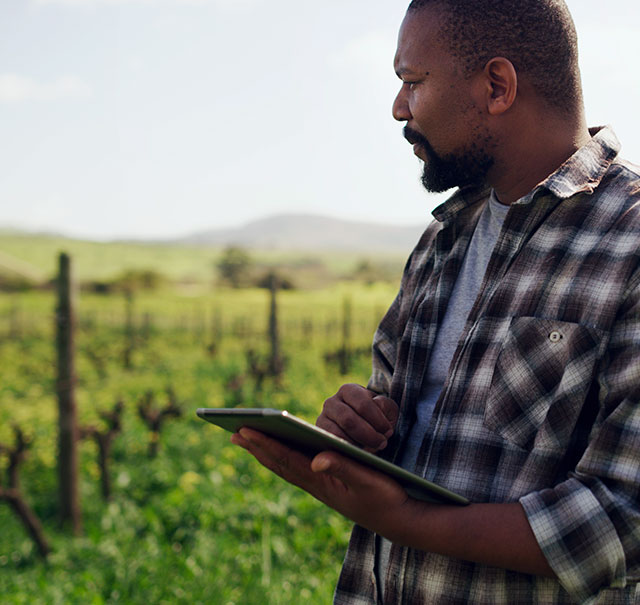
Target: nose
[(400, 109)]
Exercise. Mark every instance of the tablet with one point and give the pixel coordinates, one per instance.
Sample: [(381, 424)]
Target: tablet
[(311, 440)]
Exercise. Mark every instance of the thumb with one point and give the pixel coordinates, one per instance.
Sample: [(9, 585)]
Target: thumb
[(322, 463), (341, 467)]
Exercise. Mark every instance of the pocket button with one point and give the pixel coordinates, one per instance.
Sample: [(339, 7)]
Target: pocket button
[(555, 336)]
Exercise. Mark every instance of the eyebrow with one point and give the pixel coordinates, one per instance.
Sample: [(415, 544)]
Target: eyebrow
[(402, 71)]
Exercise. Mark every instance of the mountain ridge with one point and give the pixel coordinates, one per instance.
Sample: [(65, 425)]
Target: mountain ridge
[(310, 232)]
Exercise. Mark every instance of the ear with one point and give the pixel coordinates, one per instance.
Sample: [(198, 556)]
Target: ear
[(501, 82)]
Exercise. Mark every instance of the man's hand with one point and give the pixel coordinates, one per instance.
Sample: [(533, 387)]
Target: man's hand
[(360, 416), (492, 534), (361, 494)]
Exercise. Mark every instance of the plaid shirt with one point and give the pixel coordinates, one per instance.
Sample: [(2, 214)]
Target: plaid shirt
[(541, 402)]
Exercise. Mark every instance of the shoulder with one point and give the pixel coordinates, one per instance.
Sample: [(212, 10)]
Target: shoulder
[(622, 178), (618, 195)]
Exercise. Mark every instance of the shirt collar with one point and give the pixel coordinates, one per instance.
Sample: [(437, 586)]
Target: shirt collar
[(461, 199), (581, 173), (584, 170)]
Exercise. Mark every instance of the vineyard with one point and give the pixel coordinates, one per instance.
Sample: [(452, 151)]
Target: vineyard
[(170, 511)]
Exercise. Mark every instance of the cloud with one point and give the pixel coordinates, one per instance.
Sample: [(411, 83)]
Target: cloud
[(372, 51), (15, 89), (223, 4)]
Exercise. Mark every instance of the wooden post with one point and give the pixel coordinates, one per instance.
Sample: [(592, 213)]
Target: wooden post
[(65, 387), (345, 355), (15, 330), (216, 326), (275, 360), (216, 333), (129, 329)]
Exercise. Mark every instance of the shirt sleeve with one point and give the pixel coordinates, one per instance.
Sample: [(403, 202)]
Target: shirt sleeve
[(384, 349), (387, 336), (588, 527)]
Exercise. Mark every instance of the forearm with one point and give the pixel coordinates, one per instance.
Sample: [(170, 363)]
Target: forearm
[(493, 534)]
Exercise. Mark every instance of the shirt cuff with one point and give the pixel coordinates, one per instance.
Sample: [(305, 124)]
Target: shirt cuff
[(577, 538)]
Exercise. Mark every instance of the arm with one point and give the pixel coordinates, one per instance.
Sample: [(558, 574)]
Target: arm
[(589, 525), (494, 534)]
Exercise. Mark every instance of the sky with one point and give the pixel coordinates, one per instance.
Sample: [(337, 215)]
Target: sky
[(157, 118)]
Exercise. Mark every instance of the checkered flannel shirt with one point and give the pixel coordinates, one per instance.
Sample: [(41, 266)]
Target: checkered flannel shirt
[(541, 404)]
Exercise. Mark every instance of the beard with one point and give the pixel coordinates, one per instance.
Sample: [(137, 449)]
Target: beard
[(442, 172)]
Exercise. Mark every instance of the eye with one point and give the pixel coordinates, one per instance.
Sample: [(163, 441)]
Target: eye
[(412, 84)]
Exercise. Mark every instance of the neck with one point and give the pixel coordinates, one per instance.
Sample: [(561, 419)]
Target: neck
[(535, 153)]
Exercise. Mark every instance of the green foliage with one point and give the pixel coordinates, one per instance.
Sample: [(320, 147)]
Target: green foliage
[(370, 272), (271, 278), (201, 522), (234, 267), (10, 282), (131, 280), (188, 265)]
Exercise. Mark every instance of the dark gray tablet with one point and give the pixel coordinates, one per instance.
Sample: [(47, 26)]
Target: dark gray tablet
[(311, 440)]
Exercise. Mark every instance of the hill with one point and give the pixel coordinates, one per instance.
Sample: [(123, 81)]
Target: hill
[(311, 232), (312, 250)]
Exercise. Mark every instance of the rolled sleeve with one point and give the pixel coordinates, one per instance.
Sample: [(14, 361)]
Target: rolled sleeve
[(578, 539)]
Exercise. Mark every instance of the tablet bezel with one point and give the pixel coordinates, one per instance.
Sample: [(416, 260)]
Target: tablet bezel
[(311, 440)]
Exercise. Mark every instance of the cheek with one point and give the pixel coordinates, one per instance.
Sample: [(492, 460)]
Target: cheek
[(440, 109), (461, 124)]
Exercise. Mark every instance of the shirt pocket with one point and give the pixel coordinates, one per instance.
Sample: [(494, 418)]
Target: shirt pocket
[(542, 375)]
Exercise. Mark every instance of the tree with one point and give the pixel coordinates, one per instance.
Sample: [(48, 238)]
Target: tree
[(234, 265), (14, 496)]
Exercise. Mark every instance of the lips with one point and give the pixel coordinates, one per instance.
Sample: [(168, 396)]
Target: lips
[(413, 137), (420, 144), (418, 150)]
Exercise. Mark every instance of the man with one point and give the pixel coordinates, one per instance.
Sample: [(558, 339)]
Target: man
[(507, 368)]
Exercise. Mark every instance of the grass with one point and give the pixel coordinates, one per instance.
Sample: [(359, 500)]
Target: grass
[(187, 264), (201, 522)]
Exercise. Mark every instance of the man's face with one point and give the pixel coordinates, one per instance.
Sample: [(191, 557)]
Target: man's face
[(438, 103)]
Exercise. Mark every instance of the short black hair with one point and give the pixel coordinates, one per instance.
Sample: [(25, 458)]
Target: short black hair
[(537, 36)]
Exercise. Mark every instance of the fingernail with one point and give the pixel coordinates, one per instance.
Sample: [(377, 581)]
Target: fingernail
[(320, 465), (244, 435)]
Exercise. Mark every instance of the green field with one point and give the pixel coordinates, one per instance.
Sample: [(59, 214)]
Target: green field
[(185, 264), (201, 522)]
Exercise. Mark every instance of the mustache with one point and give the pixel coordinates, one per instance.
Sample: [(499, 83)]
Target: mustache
[(415, 137)]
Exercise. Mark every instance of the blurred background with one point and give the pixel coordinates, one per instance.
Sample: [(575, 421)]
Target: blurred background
[(235, 203)]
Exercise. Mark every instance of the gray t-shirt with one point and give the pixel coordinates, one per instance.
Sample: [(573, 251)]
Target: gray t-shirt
[(462, 299)]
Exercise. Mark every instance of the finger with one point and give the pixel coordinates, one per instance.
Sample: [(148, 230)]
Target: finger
[(389, 408), (330, 426), (237, 439), (356, 428), (364, 403), (335, 464), (282, 460), (356, 476)]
